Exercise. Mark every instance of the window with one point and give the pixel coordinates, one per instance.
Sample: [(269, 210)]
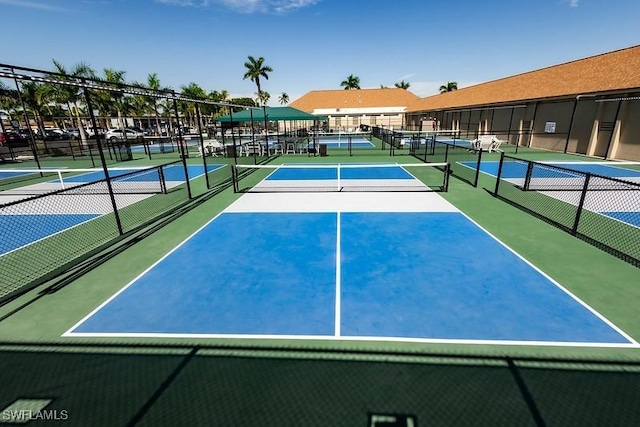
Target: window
[(338, 121), (355, 121), (373, 121)]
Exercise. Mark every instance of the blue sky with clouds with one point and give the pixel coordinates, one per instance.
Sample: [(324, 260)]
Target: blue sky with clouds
[(315, 44)]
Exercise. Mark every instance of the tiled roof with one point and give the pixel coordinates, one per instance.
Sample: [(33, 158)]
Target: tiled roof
[(355, 98), (613, 71)]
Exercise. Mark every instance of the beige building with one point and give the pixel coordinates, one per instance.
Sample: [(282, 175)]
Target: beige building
[(348, 109), (589, 106)]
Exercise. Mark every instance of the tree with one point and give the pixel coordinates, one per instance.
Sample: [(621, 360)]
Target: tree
[(255, 70), (72, 94), (449, 87), (153, 83), (284, 98), (263, 97), (192, 90), (403, 85), (352, 82)]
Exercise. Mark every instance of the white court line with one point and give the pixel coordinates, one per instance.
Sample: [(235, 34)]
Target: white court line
[(351, 338), (338, 280)]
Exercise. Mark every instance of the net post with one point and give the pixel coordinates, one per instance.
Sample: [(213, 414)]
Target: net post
[(163, 183), (583, 196), (447, 173), (338, 173), (527, 178), (499, 176)]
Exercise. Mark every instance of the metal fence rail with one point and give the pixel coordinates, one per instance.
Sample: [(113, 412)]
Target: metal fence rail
[(601, 210), (42, 234)]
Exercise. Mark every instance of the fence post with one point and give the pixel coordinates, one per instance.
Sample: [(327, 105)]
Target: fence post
[(495, 191), (234, 178), (475, 181), (585, 188)]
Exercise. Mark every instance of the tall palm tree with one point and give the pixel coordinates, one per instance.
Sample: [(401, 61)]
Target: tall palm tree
[(403, 85), (153, 83), (284, 98), (255, 70), (449, 87), (71, 94), (352, 82), (110, 103)]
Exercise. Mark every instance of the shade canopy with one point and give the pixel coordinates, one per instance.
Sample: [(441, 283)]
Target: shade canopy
[(274, 114)]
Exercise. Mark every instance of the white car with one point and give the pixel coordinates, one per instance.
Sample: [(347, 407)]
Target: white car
[(115, 134)]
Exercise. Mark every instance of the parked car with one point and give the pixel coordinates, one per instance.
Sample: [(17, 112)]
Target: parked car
[(73, 132), (116, 134), (13, 139)]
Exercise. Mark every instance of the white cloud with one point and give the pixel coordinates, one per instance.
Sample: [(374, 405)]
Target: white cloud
[(573, 3), (248, 6), (31, 5)]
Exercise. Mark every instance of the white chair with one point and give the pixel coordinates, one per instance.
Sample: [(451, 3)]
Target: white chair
[(495, 144), (291, 147)]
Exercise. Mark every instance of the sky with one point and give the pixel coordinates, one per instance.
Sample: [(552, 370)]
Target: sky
[(314, 44)]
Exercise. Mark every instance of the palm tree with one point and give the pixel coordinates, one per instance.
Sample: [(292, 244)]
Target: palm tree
[(255, 70), (153, 83), (403, 85), (71, 94), (263, 97), (284, 98), (352, 82), (193, 90), (449, 87), (112, 102)]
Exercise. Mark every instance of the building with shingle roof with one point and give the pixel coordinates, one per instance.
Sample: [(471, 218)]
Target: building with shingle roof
[(587, 106), (349, 109)]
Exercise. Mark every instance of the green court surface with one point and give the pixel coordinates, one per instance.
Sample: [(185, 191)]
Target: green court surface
[(233, 381)]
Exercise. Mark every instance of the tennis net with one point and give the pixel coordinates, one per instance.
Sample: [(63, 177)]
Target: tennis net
[(133, 180), (376, 177), (579, 176)]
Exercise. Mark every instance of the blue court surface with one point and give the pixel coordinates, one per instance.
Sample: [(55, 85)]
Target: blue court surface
[(171, 173), (344, 143), (330, 172), (512, 170), (36, 227), (517, 171), (40, 226), (403, 276)]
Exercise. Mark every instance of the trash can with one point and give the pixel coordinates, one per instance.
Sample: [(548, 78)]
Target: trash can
[(230, 150), (323, 150), (124, 152)]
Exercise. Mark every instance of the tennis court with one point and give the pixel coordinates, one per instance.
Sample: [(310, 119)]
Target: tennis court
[(515, 172), (556, 179), (37, 220), (382, 266), (338, 140)]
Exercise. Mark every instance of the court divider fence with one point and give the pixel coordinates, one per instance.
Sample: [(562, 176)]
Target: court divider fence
[(43, 234), (464, 163), (600, 210)]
